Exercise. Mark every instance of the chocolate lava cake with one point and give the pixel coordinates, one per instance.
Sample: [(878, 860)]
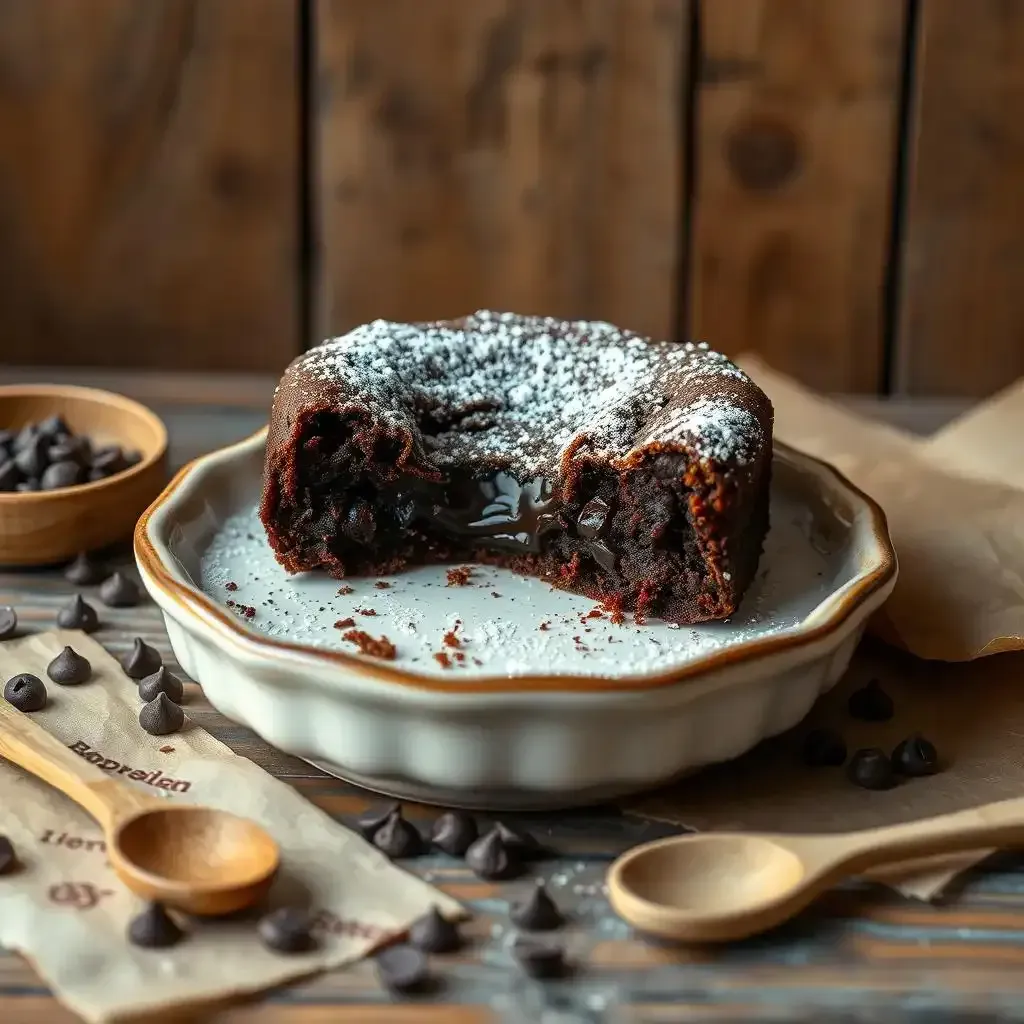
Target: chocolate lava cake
[(633, 471)]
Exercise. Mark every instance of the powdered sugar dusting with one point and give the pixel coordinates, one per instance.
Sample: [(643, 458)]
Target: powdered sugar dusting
[(503, 384)]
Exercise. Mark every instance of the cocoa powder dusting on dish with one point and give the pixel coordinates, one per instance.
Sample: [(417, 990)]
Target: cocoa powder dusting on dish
[(345, 623), (459, 576), (375, 647)]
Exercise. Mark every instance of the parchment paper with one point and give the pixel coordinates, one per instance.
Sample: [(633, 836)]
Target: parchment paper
[(955, 504), (65, 909)]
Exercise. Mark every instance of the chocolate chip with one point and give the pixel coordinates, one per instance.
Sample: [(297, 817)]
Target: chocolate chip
[(25, 692), (287, 930), (539, 959), (53, 426), (871, 769), (69, 668), (107, 461), (8, 622), (59, 475), (119, 592), (95, 474), (823, 748), (161, 716), (161, 681), (402, 969), (538, 912), (434, 933), (141, 661), (33, 458), (77, 614), (8, 858), (398, 837), (871, 703), (27, 485), (520, 842), (6, 438), (9, 475), (593, 517), (915, 757), (27, 436), (367, 824), (132, 457), (85, 571), (453, 832), (491, 859), (154, 928)]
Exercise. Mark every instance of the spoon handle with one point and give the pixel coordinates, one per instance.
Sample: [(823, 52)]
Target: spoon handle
[(108, 800), (991, 825)]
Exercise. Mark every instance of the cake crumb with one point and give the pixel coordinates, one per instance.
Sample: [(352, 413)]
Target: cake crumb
[(594, 613), (382, 585), (459, 576), (544, 626), (375, 647), (366, 611), (494, 593), (441, 657), (167, 749), (459, 656), (231, 585), (451, 638), (346, 623), (345, 591)]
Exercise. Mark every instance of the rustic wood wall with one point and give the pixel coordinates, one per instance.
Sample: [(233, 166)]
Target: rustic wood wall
[(834, 183)]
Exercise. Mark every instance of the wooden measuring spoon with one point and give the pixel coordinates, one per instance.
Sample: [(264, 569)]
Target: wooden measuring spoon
[(198, 859), (718, 886)]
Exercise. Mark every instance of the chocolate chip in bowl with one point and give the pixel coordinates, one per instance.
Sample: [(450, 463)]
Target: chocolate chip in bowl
[(78, 466)]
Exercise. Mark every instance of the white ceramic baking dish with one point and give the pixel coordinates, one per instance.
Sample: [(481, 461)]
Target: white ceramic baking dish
[(548, 707)]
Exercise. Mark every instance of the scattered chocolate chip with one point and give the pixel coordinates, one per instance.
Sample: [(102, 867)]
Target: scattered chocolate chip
[(871, 769), (871, 703), (434, 933), (8, 858), (823, 748), (369, 822), (398, 837), (539, 959), (154, 928), (141, 661), (8, 475), (77, 614), (119, 592), (8, 622), (522, 843), (402, 969), (453, 832), (287, 930), (69, 668), (25, 692), (538, 912), (52, 427), (161, 716), (915, 757), (85, 571), (161, 681), (491, 859)]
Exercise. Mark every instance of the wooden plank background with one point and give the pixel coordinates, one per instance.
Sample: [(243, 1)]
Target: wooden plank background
[(835, 185)]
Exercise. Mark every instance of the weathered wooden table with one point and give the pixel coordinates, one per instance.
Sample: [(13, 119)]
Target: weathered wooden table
[(858, 955)]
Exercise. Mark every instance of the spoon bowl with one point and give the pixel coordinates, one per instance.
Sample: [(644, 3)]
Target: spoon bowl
[(201, 860), (715, 887)]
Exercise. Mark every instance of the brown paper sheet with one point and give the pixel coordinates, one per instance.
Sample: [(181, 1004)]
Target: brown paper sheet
[(959, 539), (973, 713), (66, 911), (955, 504)]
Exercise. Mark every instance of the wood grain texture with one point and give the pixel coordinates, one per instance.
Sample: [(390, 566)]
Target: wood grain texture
[(795, 148), (961, 318), (516, 154), (149, 183)]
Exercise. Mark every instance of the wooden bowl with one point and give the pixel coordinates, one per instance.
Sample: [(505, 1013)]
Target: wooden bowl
[(44, 527)]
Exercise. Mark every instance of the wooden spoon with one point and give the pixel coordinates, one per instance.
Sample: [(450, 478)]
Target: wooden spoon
[(717, 886), (198, 859)]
